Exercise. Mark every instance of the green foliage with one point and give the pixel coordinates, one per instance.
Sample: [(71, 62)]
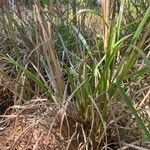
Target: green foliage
[(43, 2)]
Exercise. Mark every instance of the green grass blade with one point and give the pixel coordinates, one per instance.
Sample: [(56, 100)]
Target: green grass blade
[(144, 130), (119, 19), (140, 27), (81, 37), (46, 88)]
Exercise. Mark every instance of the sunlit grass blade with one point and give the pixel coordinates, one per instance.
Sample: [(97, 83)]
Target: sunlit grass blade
[(146, 60), (124, 67)]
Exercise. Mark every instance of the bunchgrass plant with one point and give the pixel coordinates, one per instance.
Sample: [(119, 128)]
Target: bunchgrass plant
[(52, 55)]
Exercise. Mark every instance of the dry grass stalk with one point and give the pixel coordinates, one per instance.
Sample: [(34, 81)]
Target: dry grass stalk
[(105, 13), (57, 81), (1, 3)]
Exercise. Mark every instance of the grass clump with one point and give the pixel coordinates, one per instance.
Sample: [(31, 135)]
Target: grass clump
[(53, 52)]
